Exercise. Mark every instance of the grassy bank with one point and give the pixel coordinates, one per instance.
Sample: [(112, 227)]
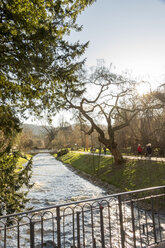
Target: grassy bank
[(22, 161), (134, 174)]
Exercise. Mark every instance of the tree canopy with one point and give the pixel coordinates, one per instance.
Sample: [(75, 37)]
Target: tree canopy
[(35, 54)]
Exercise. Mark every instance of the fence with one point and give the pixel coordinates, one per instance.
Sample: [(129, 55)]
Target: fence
[(131, 219)]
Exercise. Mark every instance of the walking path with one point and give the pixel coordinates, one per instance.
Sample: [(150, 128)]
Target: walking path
[(128, 157)]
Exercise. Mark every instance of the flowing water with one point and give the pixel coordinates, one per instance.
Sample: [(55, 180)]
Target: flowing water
[(54, 183)]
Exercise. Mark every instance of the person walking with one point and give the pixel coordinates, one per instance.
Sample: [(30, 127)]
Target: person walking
[(140, 150), (104, 150), (149, 150)]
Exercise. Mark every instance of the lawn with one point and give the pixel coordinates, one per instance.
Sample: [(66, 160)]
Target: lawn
[(134, 174)]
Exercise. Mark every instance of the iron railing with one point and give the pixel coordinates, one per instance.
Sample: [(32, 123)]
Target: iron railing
[(129, 219)]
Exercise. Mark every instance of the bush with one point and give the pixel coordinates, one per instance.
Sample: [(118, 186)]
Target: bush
[(62, 152)]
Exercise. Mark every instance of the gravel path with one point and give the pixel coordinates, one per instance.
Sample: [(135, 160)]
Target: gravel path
[(128, 157)]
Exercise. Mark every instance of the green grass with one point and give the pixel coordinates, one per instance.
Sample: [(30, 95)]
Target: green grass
[(87, 163), (96, 151), (134, 174), (22, 161)]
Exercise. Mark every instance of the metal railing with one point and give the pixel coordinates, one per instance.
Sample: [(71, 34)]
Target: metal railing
[(129, 219)]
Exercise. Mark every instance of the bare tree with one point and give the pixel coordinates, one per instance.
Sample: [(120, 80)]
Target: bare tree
[(113, 99), (159, 94), (148, 126), (50, 134)]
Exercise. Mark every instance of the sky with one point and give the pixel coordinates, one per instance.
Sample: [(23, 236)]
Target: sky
[(129, 34)]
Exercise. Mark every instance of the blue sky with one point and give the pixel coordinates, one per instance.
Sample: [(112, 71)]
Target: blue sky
[(130, 34)]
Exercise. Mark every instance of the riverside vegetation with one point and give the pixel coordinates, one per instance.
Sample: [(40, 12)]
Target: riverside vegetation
[(132, 175)]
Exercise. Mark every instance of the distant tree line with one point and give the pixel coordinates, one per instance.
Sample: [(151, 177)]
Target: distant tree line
[(129, 119), (147, 127)]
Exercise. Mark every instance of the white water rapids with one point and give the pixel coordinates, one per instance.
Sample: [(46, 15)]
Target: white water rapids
[(54, 183)]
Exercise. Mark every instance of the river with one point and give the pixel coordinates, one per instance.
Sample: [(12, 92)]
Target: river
[(54, 183)]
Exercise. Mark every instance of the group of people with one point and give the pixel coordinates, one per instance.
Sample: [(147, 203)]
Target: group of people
[(148, 150), (140, 150)]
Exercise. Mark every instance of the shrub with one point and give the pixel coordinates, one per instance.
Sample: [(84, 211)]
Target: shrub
[(62, 152)]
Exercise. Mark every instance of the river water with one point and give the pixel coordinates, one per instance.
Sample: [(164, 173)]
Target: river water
[(54, 183)]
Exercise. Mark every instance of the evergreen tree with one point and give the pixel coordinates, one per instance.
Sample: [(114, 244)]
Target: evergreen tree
[(9, 127), (12, 197), (12, 178), (35, 57)]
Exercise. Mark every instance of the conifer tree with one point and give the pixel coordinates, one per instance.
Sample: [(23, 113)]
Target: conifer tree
[(36, 59), (12, 178), (35, 55)]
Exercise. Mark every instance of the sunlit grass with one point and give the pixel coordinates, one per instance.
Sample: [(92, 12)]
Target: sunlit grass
[(21, 161), (134, 174), (96, 151)]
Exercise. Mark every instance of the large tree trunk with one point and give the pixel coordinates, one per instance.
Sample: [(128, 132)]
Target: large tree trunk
[(112, 146), (117, 155), (114, 150)]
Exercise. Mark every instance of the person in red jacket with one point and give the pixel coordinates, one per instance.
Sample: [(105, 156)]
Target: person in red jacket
[(140, 150)]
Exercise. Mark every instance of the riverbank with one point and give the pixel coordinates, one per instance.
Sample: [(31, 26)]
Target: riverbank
[(109, 189), (134, 174), (22, 160)]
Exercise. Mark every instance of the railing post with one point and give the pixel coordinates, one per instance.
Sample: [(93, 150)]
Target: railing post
[(164, 195), (5, 237), (58, 227), (42, 235), (78, 229), (32, 234), (153, 219), (133, 223), (93, 238), (121, 222), (18, 236), (102, 226)]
